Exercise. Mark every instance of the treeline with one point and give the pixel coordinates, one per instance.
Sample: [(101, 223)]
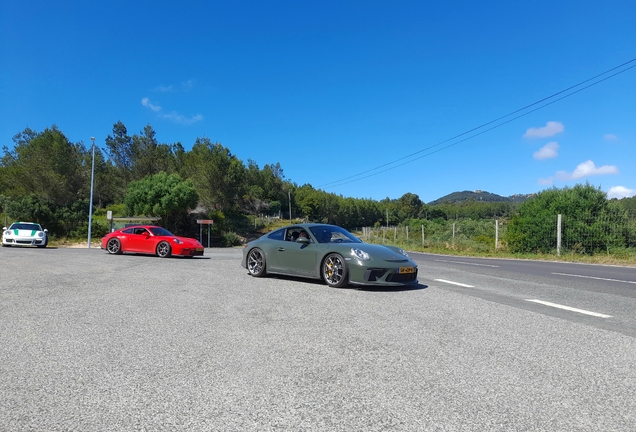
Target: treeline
[(45, 177)]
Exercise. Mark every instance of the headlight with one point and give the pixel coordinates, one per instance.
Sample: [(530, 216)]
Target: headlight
[(177, 241), (40, 234), (360, 254), (403, 252)]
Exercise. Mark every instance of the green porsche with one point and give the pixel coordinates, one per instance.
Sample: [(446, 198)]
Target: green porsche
[(330, 253)]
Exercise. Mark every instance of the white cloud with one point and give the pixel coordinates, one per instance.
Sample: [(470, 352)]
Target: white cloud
[(610, 137), (164, 89), (620, 192), (181, 119), (146, 102), (551, 128), (188, 85), (584, 169), (173, 116), (588, 168), (548, 151)]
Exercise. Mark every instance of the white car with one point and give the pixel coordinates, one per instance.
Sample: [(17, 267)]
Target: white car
[(25, 234)]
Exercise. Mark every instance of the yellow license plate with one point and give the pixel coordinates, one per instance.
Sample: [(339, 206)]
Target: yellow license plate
[(199, 249), (407, 270)]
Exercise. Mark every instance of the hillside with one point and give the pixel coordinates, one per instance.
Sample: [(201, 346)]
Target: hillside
[(479, 195)]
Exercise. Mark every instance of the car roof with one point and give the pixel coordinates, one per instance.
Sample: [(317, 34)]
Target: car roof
[(310, 225)]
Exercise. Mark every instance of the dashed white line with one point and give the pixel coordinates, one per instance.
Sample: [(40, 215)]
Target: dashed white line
[(592, 277), (467, 263), (454, 283), (568, 308)]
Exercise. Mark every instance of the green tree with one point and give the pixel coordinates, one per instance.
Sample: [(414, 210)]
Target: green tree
[(164, 195), (218, 175), (408, 206), (31, 208), (149, 156), (45, 164)]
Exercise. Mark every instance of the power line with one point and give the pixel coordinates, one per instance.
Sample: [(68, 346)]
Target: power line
[(370, 172)]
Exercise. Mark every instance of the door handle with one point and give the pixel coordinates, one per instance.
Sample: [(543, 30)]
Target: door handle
[(281, 249)]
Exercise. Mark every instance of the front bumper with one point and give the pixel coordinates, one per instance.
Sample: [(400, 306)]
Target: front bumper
[(24, 241), (381, 276), (198, 251)]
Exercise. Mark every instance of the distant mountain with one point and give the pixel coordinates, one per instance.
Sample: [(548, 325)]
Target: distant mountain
[(479, 195)]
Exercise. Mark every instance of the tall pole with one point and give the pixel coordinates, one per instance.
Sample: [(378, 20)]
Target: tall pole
[(90, 208), (289, 199)]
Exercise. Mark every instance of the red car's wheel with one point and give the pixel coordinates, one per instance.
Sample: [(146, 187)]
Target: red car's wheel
[(164, 250), (114, 246)]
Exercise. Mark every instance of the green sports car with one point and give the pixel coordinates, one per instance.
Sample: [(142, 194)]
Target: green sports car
[(328, 252)]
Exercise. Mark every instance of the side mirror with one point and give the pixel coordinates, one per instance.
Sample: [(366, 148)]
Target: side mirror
[(303, 240), (46, 230)]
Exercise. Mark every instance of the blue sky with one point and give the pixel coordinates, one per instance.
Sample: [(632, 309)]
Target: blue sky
[(347, 96)]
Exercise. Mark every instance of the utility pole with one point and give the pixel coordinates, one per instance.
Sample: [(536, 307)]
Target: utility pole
[(90, 209), (289, 198)]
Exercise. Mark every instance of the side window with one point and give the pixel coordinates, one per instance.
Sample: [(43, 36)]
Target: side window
[(277, 235), (128, 231)]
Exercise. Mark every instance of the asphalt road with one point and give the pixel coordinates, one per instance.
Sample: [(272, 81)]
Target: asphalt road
[(93, 342)]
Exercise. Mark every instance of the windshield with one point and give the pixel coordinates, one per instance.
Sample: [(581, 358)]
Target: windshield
[(333, 234), (26, 226), (161, 232)]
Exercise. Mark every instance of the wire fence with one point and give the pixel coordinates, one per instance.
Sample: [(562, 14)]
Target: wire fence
[(551, 234)]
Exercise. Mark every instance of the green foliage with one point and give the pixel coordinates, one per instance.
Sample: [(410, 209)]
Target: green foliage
[(218, 175), (586, 214), (231, 239), (627, 203), (30, 208), (163, 195), (44, 164)]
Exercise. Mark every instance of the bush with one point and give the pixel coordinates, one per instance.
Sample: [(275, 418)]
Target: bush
[(231, 239)]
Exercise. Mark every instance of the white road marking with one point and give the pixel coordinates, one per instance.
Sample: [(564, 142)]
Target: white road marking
[(571, 309), (455, 283), (592, 277), (468, 263)]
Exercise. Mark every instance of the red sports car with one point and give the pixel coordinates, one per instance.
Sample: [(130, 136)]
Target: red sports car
[(152, 240)]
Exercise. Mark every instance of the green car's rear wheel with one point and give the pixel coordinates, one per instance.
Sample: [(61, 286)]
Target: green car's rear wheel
[(335, 271)]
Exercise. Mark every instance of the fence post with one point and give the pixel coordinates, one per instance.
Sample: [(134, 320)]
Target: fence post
[(407, 233), (559, 235), (496, 233), (394, 234), (453, 232), (422, 235)]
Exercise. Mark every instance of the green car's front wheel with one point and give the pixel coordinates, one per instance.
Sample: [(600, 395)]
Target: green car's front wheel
[(256, 262), (335, 271)]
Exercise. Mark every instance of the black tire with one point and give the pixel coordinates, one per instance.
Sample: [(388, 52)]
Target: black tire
[(6, 245), (256, 263), (46, 242), (335, 271), (114, 246), (164, 250)]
